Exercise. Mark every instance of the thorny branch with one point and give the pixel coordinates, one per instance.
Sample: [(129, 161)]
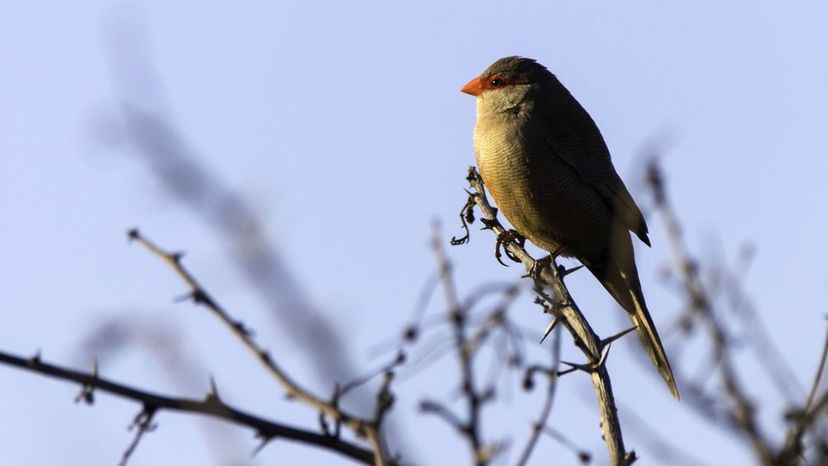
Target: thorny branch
[(563, 307), (212, 405), (365, 428)]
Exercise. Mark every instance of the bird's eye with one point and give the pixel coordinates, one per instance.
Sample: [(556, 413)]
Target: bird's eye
[(496, 82)]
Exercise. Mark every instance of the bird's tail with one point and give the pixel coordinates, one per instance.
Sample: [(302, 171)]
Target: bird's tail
[(620, 277)]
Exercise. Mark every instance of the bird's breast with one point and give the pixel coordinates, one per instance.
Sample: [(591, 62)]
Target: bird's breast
[(540, 195), (504, 149)]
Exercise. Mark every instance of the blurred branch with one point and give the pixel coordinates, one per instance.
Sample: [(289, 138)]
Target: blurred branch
[(805, 419), (552, 375), (142, 424), (564, 308), (212, 405), (154, 138), (158, 145), (367, 428), (740, 410), (127, 330), (157, 142), (470, 427)]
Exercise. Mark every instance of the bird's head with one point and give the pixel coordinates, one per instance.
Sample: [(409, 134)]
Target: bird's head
[(507, 81)]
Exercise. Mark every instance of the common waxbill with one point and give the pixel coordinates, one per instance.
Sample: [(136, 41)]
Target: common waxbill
[(547, 167)]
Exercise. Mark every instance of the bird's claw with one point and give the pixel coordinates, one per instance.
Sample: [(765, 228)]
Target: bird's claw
[(503, 240)]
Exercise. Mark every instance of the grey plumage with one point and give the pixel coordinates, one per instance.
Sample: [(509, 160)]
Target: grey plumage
[(544, 161)]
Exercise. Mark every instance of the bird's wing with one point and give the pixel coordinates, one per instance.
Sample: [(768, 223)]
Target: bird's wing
[(573, 136)]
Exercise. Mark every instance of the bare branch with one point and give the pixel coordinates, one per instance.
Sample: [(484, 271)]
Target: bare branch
[(142, 424), (361, 427), (741, 412), (805, 419), (546, 410), (458, 315), (210, 406)]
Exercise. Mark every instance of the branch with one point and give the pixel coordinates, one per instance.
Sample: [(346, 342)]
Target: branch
[(470, 428), (741, 410), (572, 318), (211, 405), (807, 417), (361, 427), (552, 383)]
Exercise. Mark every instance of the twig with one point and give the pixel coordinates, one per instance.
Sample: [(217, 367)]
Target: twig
[(458, 315), (793, 444), (142, 424), (741, 413), (818, 375), (361, 427), (546, 410), (210, 406), (583, 456)]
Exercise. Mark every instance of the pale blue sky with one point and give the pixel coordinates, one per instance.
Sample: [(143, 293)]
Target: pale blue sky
[(342, 122)]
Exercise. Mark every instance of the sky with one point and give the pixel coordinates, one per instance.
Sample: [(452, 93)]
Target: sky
[(342, 125)]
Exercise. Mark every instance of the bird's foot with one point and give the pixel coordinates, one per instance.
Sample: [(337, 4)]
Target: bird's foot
[(503, 240)]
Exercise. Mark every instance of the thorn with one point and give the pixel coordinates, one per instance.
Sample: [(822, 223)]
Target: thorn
[(487, 224), (265, 356), (401, 358), (199, 297), (87, 392), (324, 425), (549, 329), (265, 439), (410, 333), (588, 368), (563, 271), (609, 340), (182, 298), (213, 394), (239, 325), (566, 371), (35, 359)]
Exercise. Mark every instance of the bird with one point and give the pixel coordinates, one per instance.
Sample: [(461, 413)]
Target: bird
[(544, 161)]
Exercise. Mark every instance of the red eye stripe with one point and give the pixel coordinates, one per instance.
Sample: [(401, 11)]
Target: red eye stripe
[(496, 82)]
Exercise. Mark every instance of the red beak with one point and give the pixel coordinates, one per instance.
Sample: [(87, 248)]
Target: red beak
[(473, 87)]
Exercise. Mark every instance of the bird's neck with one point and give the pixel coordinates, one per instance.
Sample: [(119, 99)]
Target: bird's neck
[(504, 102)]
